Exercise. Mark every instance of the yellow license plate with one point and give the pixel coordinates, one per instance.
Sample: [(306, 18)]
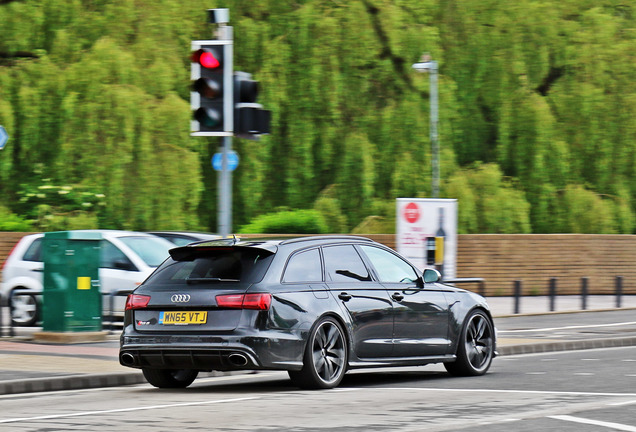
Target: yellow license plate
[(183, 318)]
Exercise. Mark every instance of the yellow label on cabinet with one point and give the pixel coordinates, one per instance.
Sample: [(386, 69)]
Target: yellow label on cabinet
[(83, 283)]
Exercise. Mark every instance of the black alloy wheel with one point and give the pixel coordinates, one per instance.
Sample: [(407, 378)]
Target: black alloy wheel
[(170, 378), (325, 358), (475, 348)]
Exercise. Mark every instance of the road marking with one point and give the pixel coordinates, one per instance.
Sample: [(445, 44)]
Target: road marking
[(584, 374), (536, 373), (568, 327), (142, 408), (537, 392), (609, 425), (622, 403)]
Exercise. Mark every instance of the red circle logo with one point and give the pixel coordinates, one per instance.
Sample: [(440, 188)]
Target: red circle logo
[(411, 212)]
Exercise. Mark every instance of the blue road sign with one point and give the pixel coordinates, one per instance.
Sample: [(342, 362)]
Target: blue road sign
[(4, 137), (232, 161)]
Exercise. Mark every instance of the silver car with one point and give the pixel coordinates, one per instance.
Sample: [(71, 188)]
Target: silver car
[(126, 259)]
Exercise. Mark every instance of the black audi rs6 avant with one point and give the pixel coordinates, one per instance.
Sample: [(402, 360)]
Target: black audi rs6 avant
[(313, 306)]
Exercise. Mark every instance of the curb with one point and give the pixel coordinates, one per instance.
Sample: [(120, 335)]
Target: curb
[(73, 382), (569, 345)]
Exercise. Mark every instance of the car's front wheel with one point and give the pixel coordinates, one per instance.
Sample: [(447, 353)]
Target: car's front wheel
[(325, 357), (24, 309), (170, 378), (476, 346)]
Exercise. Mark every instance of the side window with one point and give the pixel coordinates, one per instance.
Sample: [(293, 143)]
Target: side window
[(304, 267), (343, 264), (390, 268), (113, 258), (34, 252)]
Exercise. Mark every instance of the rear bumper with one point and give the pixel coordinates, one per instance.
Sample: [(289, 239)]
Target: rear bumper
[(280, 351)]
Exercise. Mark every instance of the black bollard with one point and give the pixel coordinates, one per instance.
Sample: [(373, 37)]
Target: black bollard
[(619, 291), (517, 296), (553, 290), (584, 292)]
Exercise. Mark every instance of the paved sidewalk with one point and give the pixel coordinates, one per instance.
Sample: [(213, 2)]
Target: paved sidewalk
[(27, 366)]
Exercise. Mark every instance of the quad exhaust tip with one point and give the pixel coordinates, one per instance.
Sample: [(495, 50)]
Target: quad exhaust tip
[(237, 359), (127, 359)]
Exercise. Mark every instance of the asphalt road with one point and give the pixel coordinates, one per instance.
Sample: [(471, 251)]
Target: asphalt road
[(566, 391)]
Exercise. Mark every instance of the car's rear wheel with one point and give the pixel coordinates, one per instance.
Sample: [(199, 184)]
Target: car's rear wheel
[(476, 346), (325, 357), (24, 309), (170, 378)]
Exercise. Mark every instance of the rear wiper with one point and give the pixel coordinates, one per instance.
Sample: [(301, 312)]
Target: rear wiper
[(204, 280)]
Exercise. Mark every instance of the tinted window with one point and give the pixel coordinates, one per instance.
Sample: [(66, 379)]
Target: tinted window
[(215, 265), (390, 267), (34, 251), (343, 264), (304, 267)]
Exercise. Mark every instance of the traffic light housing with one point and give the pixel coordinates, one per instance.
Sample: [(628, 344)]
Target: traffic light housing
[(250, 119), (211, 96)]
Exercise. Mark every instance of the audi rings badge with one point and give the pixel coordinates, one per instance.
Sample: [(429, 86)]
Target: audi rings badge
[(180, 298)]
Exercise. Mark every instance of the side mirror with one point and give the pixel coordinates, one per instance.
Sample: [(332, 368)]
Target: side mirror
[(431, 275)]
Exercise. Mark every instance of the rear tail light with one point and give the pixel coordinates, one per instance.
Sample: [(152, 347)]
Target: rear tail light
[(137, 301), (245, 301)]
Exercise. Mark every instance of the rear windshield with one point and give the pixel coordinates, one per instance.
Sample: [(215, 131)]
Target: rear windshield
[(247, 265)]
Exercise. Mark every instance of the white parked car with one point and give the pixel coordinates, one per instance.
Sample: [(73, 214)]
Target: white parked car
[(126, 259)]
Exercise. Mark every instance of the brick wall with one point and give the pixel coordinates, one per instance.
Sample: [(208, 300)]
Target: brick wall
[(533, 259)]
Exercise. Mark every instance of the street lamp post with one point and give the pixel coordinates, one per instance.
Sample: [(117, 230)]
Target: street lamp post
[(430, 66)]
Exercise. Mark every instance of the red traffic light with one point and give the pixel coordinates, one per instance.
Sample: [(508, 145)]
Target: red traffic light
[(206, 58)]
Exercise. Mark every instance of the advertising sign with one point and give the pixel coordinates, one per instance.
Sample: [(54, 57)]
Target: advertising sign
[(426, 233)]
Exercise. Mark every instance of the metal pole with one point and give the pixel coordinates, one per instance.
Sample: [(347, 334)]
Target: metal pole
[(619, 291), (225, 175), (434, 137), (225, 191), (430, 66)]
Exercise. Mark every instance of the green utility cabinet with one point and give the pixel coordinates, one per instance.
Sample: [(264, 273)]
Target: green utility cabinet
[(71, 298)]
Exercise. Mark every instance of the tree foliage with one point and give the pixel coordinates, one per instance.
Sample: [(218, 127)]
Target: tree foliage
[(537, 108)]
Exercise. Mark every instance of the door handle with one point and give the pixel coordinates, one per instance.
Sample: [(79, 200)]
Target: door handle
[(397, 296), (344, 296)]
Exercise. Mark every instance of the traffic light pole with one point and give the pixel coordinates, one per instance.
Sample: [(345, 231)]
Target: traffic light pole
[(225, 191), (223, 105), (224, 218)]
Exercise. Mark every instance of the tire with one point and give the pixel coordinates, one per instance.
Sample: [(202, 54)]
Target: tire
[(25, 310), (325, 357), (170, 378), (476, 346)]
